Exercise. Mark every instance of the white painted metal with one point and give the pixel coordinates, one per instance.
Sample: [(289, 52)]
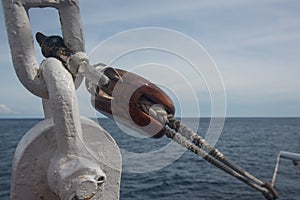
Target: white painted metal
[(290, 155), (72, 157), (63, 156), (21, 40), (38, 146), (286, 155), (70, 166), (79, 64)]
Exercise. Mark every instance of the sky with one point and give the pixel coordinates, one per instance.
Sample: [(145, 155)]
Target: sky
[(254, 45)]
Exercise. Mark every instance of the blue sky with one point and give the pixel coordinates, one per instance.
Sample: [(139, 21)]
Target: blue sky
[(255, 45)]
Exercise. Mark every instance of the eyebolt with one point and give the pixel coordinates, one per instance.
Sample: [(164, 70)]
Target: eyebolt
[(100, 180)]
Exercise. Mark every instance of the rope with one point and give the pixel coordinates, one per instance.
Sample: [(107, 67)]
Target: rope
[(195, 149), (201, 143), (195, 143), (154, 110), (78, 63)]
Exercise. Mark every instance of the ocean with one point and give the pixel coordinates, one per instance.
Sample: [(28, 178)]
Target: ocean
[(252, 143)]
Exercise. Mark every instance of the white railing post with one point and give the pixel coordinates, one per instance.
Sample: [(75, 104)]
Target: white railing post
[(64, 156)]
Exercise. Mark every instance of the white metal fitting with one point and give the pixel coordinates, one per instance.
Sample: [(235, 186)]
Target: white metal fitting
[(21, 40), (55, 156), (78, 64), (75, 177), (73, 171)]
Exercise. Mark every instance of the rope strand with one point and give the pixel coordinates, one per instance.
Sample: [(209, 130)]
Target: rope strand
[(201, 143), (187, 138), (195, 149)]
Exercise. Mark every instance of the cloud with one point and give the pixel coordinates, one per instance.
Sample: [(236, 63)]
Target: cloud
[(5, 109), (254, 43), (141, 10)]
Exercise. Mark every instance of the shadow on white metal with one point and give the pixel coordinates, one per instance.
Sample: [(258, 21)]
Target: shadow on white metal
[(63, 156)]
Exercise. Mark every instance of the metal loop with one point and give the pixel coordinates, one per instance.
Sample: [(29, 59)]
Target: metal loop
[(21, 39)]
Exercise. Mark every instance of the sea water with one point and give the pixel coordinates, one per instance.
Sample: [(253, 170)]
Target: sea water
[(252, 143)]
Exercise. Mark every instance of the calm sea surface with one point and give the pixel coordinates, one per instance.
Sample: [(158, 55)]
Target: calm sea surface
[(250, 142)]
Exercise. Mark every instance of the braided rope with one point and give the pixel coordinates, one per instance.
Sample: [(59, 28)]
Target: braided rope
[(195, 143), (266, 189), (156, 111), (195, 149), (184, 136), (201, 143)]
